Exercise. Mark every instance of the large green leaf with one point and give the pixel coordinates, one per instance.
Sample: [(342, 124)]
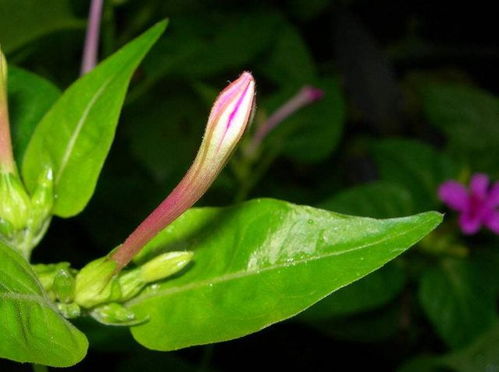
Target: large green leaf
[(74, 137), (22, 21), (315, 130), (458, 301), (260, 262), (31, 329), (415, 166), (469, 117), (30, 97)]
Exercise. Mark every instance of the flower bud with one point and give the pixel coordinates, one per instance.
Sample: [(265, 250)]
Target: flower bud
[(160, 267), (64, 285), (6, 157), (15, 203), (46, 273), (227, 122), (115, 314), (97, 283), (43, 198), (69, 311), (164, 265)]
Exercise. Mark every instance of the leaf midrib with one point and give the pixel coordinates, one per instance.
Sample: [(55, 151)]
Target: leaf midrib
[(244, 273), (79, 126)]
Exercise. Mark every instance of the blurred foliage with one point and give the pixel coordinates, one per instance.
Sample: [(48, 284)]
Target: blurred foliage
[(411, 100)]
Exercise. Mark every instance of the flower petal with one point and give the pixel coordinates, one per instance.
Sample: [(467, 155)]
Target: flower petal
[(492, 221), (479, 184), (454, 195), (493, 197), (469, 224)]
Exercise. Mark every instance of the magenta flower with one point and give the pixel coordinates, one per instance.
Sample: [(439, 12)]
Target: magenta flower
[(477, 206)]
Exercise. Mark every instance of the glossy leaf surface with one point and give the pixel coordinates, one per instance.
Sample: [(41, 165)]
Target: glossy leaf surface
[(261, 262), (31, 329), (75, 136)]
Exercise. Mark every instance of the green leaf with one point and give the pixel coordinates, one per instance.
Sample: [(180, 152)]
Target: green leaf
[(261, 262), (289, 62), (415, 166), (314, 131), (458, 301), (378, 199), (22, 21), (469, 117), (201, 46), (481, 355), (371, 292), (30, 97), (31, 329), (74, 137)]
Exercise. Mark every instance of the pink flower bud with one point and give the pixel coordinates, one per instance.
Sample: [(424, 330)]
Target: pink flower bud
[(228, 120), (6, 158)]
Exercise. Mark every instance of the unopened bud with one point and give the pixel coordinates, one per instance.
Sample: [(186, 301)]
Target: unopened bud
[(69, 311), (115, 314), (97, 283), (6, 158), (164, 265), (64, 285), (228, 120), (43, 198), (15, 203), (46, 273)]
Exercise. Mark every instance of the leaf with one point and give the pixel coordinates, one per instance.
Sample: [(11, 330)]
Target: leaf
[(370, 292), (22, 21), (377, 199), (289, 61), (314, 131), (469, 117), (30, 97), (458, 301), (415, 166), (481, 355), (261, 262), (74, 137), (31, 329), (201, 46)]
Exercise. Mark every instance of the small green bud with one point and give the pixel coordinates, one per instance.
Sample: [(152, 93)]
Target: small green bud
[(15, 203), (42, 199), (46, 273), (69, 311), (115, 314), (64, 285), (164, 265), (131, 283), (97, 283)]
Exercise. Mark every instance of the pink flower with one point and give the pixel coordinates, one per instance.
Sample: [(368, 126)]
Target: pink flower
[(477, 206), (227, 122)]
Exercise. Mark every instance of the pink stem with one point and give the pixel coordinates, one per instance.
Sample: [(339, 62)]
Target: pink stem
[(305, 96), (92, 38)]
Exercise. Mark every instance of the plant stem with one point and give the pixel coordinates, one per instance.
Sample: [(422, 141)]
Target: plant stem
[(305, 96), (91, 47)]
